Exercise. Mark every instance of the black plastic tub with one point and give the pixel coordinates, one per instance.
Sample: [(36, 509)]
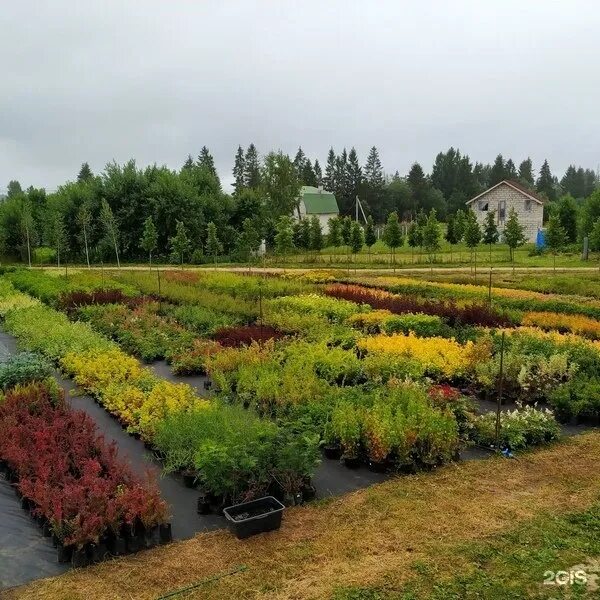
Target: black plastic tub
[(257, 516)]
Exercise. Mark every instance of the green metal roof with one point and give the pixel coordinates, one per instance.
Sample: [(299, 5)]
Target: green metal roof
[(318, 202)]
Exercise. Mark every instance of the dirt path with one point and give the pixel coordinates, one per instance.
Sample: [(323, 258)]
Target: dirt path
[(359, 539)]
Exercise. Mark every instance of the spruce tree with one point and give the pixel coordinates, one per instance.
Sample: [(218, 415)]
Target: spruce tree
[(251, 168), (526, 173), (545, 182), (149, 239), (432, 235), (513, 234), (334, 237), (238, 171), (330, 179), (318, 173), (346, 230), (85, 173), (373, 172), (299, 161), (206, 161), (308, 176), (490, 231), (180, 243), (419, 187), (188, 164), (341, 176), (392, 235), (370, 236), (567, 216), (315, 237), (354, 178), (498, 171), (555, 236), (510, 171)]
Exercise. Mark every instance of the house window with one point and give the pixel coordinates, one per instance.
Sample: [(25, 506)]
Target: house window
[(483, 206), (528, 205), (501, 212)]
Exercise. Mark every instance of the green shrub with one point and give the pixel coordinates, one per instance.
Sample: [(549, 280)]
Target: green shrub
[(203, 321), (519, 428), (420, 324), (23, 368), (579, 397)]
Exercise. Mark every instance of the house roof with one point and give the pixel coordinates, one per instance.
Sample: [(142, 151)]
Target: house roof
[(515, 185), (318, 202)]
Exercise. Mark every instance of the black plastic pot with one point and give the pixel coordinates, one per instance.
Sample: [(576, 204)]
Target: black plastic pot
[(64, 553), (47, 530), (378, 466), (190, 478), (152, 537), (352, 462), (257, 516), (332, 451), (80, 558), (309, 492), (117, 546), (98, 552), (203, 507), (165, 534)]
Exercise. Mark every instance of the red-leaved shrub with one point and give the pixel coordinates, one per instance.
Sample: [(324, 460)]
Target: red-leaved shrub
[(452, 313), (76, 299), (234, 337), (68, 472)]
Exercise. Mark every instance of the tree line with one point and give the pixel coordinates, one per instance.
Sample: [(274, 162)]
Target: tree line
[(130, 213)]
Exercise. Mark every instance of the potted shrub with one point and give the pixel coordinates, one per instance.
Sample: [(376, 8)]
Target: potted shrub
[(346, 425)]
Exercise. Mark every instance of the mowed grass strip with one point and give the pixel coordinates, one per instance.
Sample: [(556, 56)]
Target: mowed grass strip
[(361, 541)]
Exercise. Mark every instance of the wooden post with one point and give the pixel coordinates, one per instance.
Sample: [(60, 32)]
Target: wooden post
[(500, 385)]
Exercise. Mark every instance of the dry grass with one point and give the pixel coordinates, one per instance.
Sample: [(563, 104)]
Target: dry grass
[(360, 539)]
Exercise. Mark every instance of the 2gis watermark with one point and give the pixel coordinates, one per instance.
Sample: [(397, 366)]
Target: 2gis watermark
[(586, 576)]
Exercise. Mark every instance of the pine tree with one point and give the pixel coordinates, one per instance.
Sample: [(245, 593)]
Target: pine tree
[(180, 243), (315, 236), (284, 241), (251, 168), (85, 173), (432, 235), (472, 236), (149, 239), (334, 237), (392, 235), (111, 229), (567, 216), (213, 245), (370, 237), (238, 171), (490, 231), (318, 173), (513, 234), (526, 173), (84, 221), (555, 236), (330, 180), (498, 171), (545, 182)]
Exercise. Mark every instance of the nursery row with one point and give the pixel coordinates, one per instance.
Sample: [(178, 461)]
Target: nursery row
[(503, 298), (72, 480), (145, 404)]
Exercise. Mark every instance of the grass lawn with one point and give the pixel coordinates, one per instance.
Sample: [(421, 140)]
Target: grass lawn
[(487, 529)]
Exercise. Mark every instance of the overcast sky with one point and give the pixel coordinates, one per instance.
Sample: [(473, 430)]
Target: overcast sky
[(98, 80)]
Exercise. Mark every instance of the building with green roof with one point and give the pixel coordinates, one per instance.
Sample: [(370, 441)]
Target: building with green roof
[(318, 202)]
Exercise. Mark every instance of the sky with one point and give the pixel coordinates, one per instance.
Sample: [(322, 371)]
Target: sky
[(104, 80)]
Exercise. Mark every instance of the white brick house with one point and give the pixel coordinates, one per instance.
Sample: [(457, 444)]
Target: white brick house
[(503, 197)]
